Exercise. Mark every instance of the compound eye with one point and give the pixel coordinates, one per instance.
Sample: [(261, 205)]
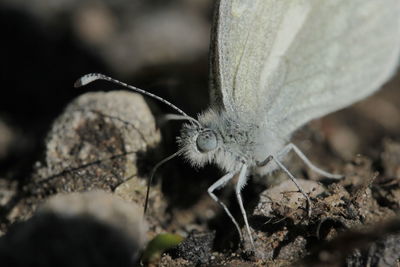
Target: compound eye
[(206, 141)]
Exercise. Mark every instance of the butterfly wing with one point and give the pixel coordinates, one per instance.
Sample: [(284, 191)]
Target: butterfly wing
[(242, 44), (287, 62)]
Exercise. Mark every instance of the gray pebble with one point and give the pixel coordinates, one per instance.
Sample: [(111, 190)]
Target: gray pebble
[(78, 229)]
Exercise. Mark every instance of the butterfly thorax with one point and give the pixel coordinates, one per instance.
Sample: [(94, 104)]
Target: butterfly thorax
[(228, 141)]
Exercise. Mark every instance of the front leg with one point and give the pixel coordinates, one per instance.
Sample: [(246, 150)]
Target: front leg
[(239, 186), (219, 184)]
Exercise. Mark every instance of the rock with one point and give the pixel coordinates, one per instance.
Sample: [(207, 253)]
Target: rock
[(196, 248), (78, 229), (103, 206), (286, 194), (283, 201), (97, 143)]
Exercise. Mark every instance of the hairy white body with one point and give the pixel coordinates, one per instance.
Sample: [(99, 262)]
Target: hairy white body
[(240, 142)]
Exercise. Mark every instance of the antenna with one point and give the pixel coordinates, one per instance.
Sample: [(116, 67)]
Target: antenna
[(153, 171), (91, 77)]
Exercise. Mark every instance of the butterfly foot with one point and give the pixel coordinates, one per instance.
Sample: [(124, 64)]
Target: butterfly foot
[(308, 206)]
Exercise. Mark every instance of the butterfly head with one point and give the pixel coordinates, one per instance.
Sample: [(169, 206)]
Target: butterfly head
[(198, 144)]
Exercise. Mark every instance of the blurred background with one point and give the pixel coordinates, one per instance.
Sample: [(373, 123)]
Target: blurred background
[(157, 45), (160, 46)]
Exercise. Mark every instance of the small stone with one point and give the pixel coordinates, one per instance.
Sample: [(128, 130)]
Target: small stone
[(196, 248), (78, 229), (286, 194), (95, 144), (283, 200), (105, 207)]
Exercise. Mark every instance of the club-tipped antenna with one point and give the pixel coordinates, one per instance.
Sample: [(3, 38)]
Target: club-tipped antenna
[(153, 171), (91, 77)]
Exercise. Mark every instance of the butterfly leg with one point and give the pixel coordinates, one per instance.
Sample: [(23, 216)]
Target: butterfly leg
[(218, 184), (239, 186), (309, 164), (283, 153), (294, 180)]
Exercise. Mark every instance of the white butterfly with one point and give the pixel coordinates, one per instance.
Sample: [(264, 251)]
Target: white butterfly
[(275, 65)]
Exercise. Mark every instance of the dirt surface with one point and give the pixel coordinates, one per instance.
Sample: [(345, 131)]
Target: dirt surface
[(51, 144)]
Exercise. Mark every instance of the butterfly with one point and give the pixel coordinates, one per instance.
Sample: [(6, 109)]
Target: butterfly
[(276, 65)]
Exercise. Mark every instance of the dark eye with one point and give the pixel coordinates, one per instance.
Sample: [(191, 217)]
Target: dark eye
[(206, 141)]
